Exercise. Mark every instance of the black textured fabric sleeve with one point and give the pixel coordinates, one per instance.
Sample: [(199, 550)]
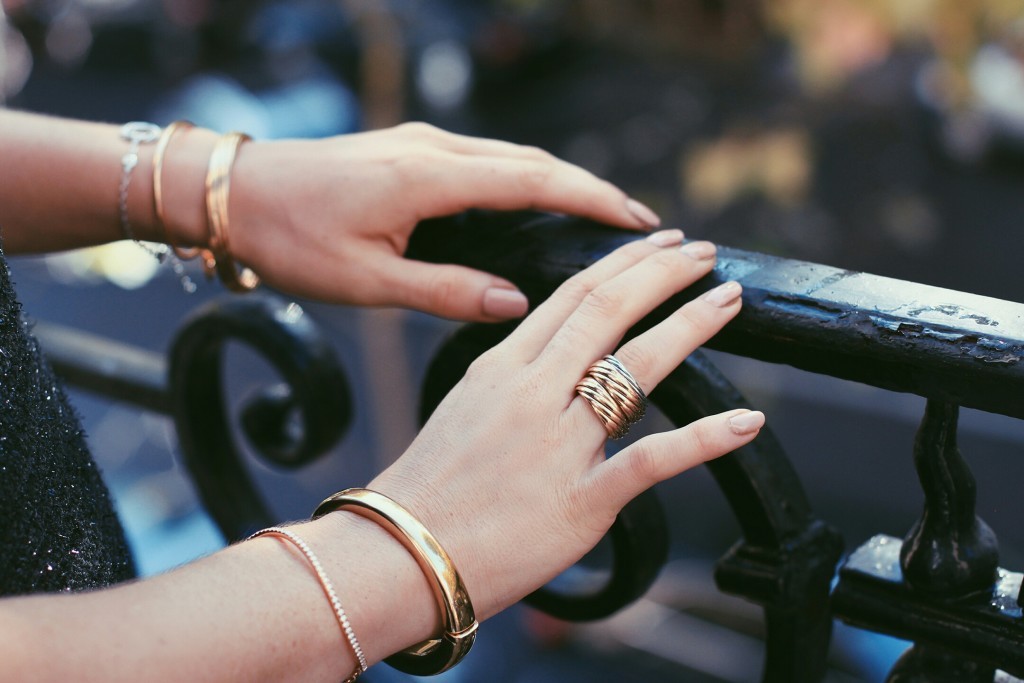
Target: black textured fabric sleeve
[(58, 528)]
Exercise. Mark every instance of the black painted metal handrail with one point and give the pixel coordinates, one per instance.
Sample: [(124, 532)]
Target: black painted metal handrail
[(950, 347), (903, 336)]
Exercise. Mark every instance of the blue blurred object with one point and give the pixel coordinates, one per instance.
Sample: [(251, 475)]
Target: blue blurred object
[(315, 106)]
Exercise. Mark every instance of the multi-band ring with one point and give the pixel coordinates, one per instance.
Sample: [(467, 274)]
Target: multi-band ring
[(614, 395)]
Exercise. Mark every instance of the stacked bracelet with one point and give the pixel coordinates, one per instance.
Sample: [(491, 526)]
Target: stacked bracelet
[(185, 254), (328, 587), (217, 258), (137, 133), (218, 185), (459, 623)]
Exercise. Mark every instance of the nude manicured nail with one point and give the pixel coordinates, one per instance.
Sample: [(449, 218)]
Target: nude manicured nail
[(699, 251), (723, 295), (746, 423), (505, 303), (642, 213), (666, 238)]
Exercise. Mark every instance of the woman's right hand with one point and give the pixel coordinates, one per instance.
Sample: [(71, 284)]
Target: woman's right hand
[(510, 472)]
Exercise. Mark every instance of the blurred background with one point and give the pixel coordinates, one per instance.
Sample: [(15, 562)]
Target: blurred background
[(878, 135)]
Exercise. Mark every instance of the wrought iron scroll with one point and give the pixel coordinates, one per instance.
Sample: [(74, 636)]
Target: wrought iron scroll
[(314, 394), (786, 560), (289, 424)]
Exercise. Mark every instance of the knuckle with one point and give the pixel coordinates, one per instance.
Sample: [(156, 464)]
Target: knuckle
[(409, 165), (537, 153), (418, 164), (483, 365), (689, 322), (667, 260), (578, 286), (643, 463), (702, 438), (441, 292), (604, 301), (534, 176), (638, 249), (638, 360), (420, 129)]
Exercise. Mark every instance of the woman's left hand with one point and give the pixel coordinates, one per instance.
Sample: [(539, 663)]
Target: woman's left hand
[(330, 219)]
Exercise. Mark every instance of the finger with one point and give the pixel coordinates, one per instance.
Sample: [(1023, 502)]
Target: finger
[(454, 292), (611, 308), (534, 333), (503, 183), (650, 356), (657, 457), (466, 144)]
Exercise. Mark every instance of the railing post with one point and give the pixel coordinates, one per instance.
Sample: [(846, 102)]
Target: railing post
[(950, 552)]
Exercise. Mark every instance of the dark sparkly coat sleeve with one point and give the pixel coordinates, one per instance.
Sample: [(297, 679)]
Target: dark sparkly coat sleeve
[(58, 528)]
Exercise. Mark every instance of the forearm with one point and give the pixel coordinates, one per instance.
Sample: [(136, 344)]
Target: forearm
[(60, 179), (252, 612)]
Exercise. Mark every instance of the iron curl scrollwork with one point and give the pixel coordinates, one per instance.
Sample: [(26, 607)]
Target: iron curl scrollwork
[(289, 424)]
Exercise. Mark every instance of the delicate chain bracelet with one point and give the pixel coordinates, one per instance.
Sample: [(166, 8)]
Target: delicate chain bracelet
[(328, 588), (137, 133)]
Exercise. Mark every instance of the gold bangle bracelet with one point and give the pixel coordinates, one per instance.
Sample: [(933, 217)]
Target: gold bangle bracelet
[(218, 186), (159, 211), (459, 624)]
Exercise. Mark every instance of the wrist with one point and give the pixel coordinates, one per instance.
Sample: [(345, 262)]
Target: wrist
[(385, 593), (183, 180)]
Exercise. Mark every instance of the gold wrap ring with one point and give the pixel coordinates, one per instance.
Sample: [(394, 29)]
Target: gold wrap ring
[(614, 395)]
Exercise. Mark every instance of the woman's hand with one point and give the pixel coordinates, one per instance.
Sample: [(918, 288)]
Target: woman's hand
[(510, 472), (330, 219)]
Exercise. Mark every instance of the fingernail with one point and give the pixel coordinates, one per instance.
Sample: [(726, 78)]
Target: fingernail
[(666, 238), (723, 295), (642, 213), (746, 423), (505, 303), (699, 251)]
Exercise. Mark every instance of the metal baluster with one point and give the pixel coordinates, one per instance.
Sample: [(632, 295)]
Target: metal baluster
[(950, 552)]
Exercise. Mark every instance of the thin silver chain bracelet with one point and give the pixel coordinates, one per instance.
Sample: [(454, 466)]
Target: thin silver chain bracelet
[(136, 134)]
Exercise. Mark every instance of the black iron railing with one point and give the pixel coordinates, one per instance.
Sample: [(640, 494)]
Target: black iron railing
[(941, 587)]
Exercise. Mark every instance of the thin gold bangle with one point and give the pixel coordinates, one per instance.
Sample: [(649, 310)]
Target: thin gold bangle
[(218, 186), (459, 624), (159, 211)]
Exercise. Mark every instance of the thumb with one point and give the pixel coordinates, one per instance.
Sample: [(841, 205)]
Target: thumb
[(456, 292)]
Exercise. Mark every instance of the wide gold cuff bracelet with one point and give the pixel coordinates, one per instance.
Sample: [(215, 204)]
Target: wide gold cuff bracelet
[(459, 623)]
